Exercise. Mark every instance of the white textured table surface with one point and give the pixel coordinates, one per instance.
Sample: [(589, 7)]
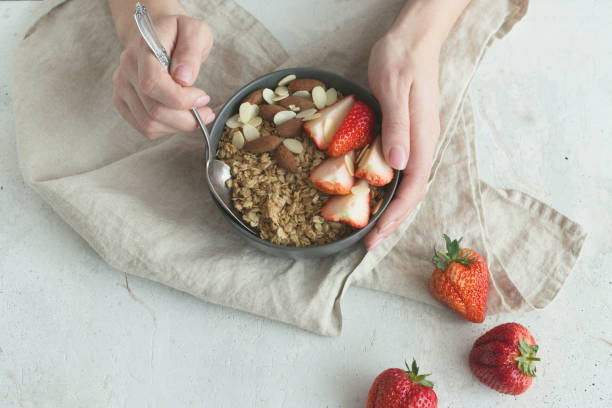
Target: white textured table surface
[(72, 335)]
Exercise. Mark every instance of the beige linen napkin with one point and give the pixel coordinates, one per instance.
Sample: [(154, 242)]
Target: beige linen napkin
[(143, 206)]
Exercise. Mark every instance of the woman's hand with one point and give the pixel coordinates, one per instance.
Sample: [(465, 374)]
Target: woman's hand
[(152, 100), (403, 75), (404, 79)]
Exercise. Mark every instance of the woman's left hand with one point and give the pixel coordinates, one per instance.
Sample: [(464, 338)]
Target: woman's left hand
[(403, 75)]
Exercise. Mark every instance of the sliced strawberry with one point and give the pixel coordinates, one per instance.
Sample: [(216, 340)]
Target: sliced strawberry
[(373, 167), (356, 130), (332, 176), (352, 209), (322, 129)]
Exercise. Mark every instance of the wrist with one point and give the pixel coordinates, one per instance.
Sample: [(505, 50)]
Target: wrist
[(424, 25)]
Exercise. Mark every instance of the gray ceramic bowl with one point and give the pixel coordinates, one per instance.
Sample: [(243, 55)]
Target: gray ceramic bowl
[(332, 80)]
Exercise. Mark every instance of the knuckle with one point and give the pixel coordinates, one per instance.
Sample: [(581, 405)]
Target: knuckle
[(116, 77), (148, 126), (156, 110), (147, 82)]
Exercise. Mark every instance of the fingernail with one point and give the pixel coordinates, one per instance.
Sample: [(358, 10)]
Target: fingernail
[(210, 118), (374, 244), (202, 101), (397, 157), (183, 73)]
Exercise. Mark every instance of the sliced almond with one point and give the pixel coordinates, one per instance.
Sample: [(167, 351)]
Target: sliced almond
[(262, 144), (285, 158), (250, 132), (307, 112), (360, 189), (283, 116), (247, 111), (377, 206), (267, 95), (319, 97), (362, 153), (311, 117), (277, 98), (256, 121), (294, 108), (233, 122), (304, 84), (238, 139), (350, 166), (286, 80), (294, 145), (332, 96), (302, 94), (282, 91)]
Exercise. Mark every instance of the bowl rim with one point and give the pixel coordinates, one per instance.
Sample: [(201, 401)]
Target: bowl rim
[(311, 72)]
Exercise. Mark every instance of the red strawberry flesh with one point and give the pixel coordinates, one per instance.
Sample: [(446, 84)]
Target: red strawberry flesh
[(351, 209), (322, 129), (332, 176), (373, 167), (356, 130)]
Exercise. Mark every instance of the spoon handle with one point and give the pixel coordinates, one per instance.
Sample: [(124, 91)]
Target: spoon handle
[(149, 34)]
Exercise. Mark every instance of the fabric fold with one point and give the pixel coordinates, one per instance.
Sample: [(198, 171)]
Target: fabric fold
[(143, 206)]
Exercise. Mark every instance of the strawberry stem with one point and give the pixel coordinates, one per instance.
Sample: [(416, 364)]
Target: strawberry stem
[(415, 378), (442, 260), (527, 357)]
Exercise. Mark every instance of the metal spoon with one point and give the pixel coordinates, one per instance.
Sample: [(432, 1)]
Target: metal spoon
[(217, 172)]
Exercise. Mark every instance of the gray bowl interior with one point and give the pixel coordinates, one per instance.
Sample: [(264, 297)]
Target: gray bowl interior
[(331, 80)]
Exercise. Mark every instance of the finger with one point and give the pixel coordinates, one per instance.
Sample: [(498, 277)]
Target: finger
[(154, 81), (180, 120), (425, 130), (396, 127), (129, 65), (193, 43), (124, 110), (145, 124)]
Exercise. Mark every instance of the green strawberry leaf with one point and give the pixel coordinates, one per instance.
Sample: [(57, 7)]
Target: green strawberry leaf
[(441, 260), (527, 358), (415, 378)]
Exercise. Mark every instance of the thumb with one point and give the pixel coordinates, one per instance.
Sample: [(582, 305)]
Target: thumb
[(396, 131), (193, 43)]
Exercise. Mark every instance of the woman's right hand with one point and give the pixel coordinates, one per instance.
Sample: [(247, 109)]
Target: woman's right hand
[(157, 102)]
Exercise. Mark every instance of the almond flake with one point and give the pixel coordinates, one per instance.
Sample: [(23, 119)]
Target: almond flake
[(350, 166), (268, 94), (233, 122), (311, 117), (362, 153), (294, 145), (238, 139), (247, 111), (319, 97), (307, 112), (250, 132), (279, 97), (332, 96), (282, 91), (294, 108), (256, 121), (286, 80), (302, 94), (360, 189), (377, 206), (283, 116)]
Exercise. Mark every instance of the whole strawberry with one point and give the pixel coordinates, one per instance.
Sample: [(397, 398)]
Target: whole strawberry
[(396, 388), (356, 130), (503, 358), (461, 280)]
